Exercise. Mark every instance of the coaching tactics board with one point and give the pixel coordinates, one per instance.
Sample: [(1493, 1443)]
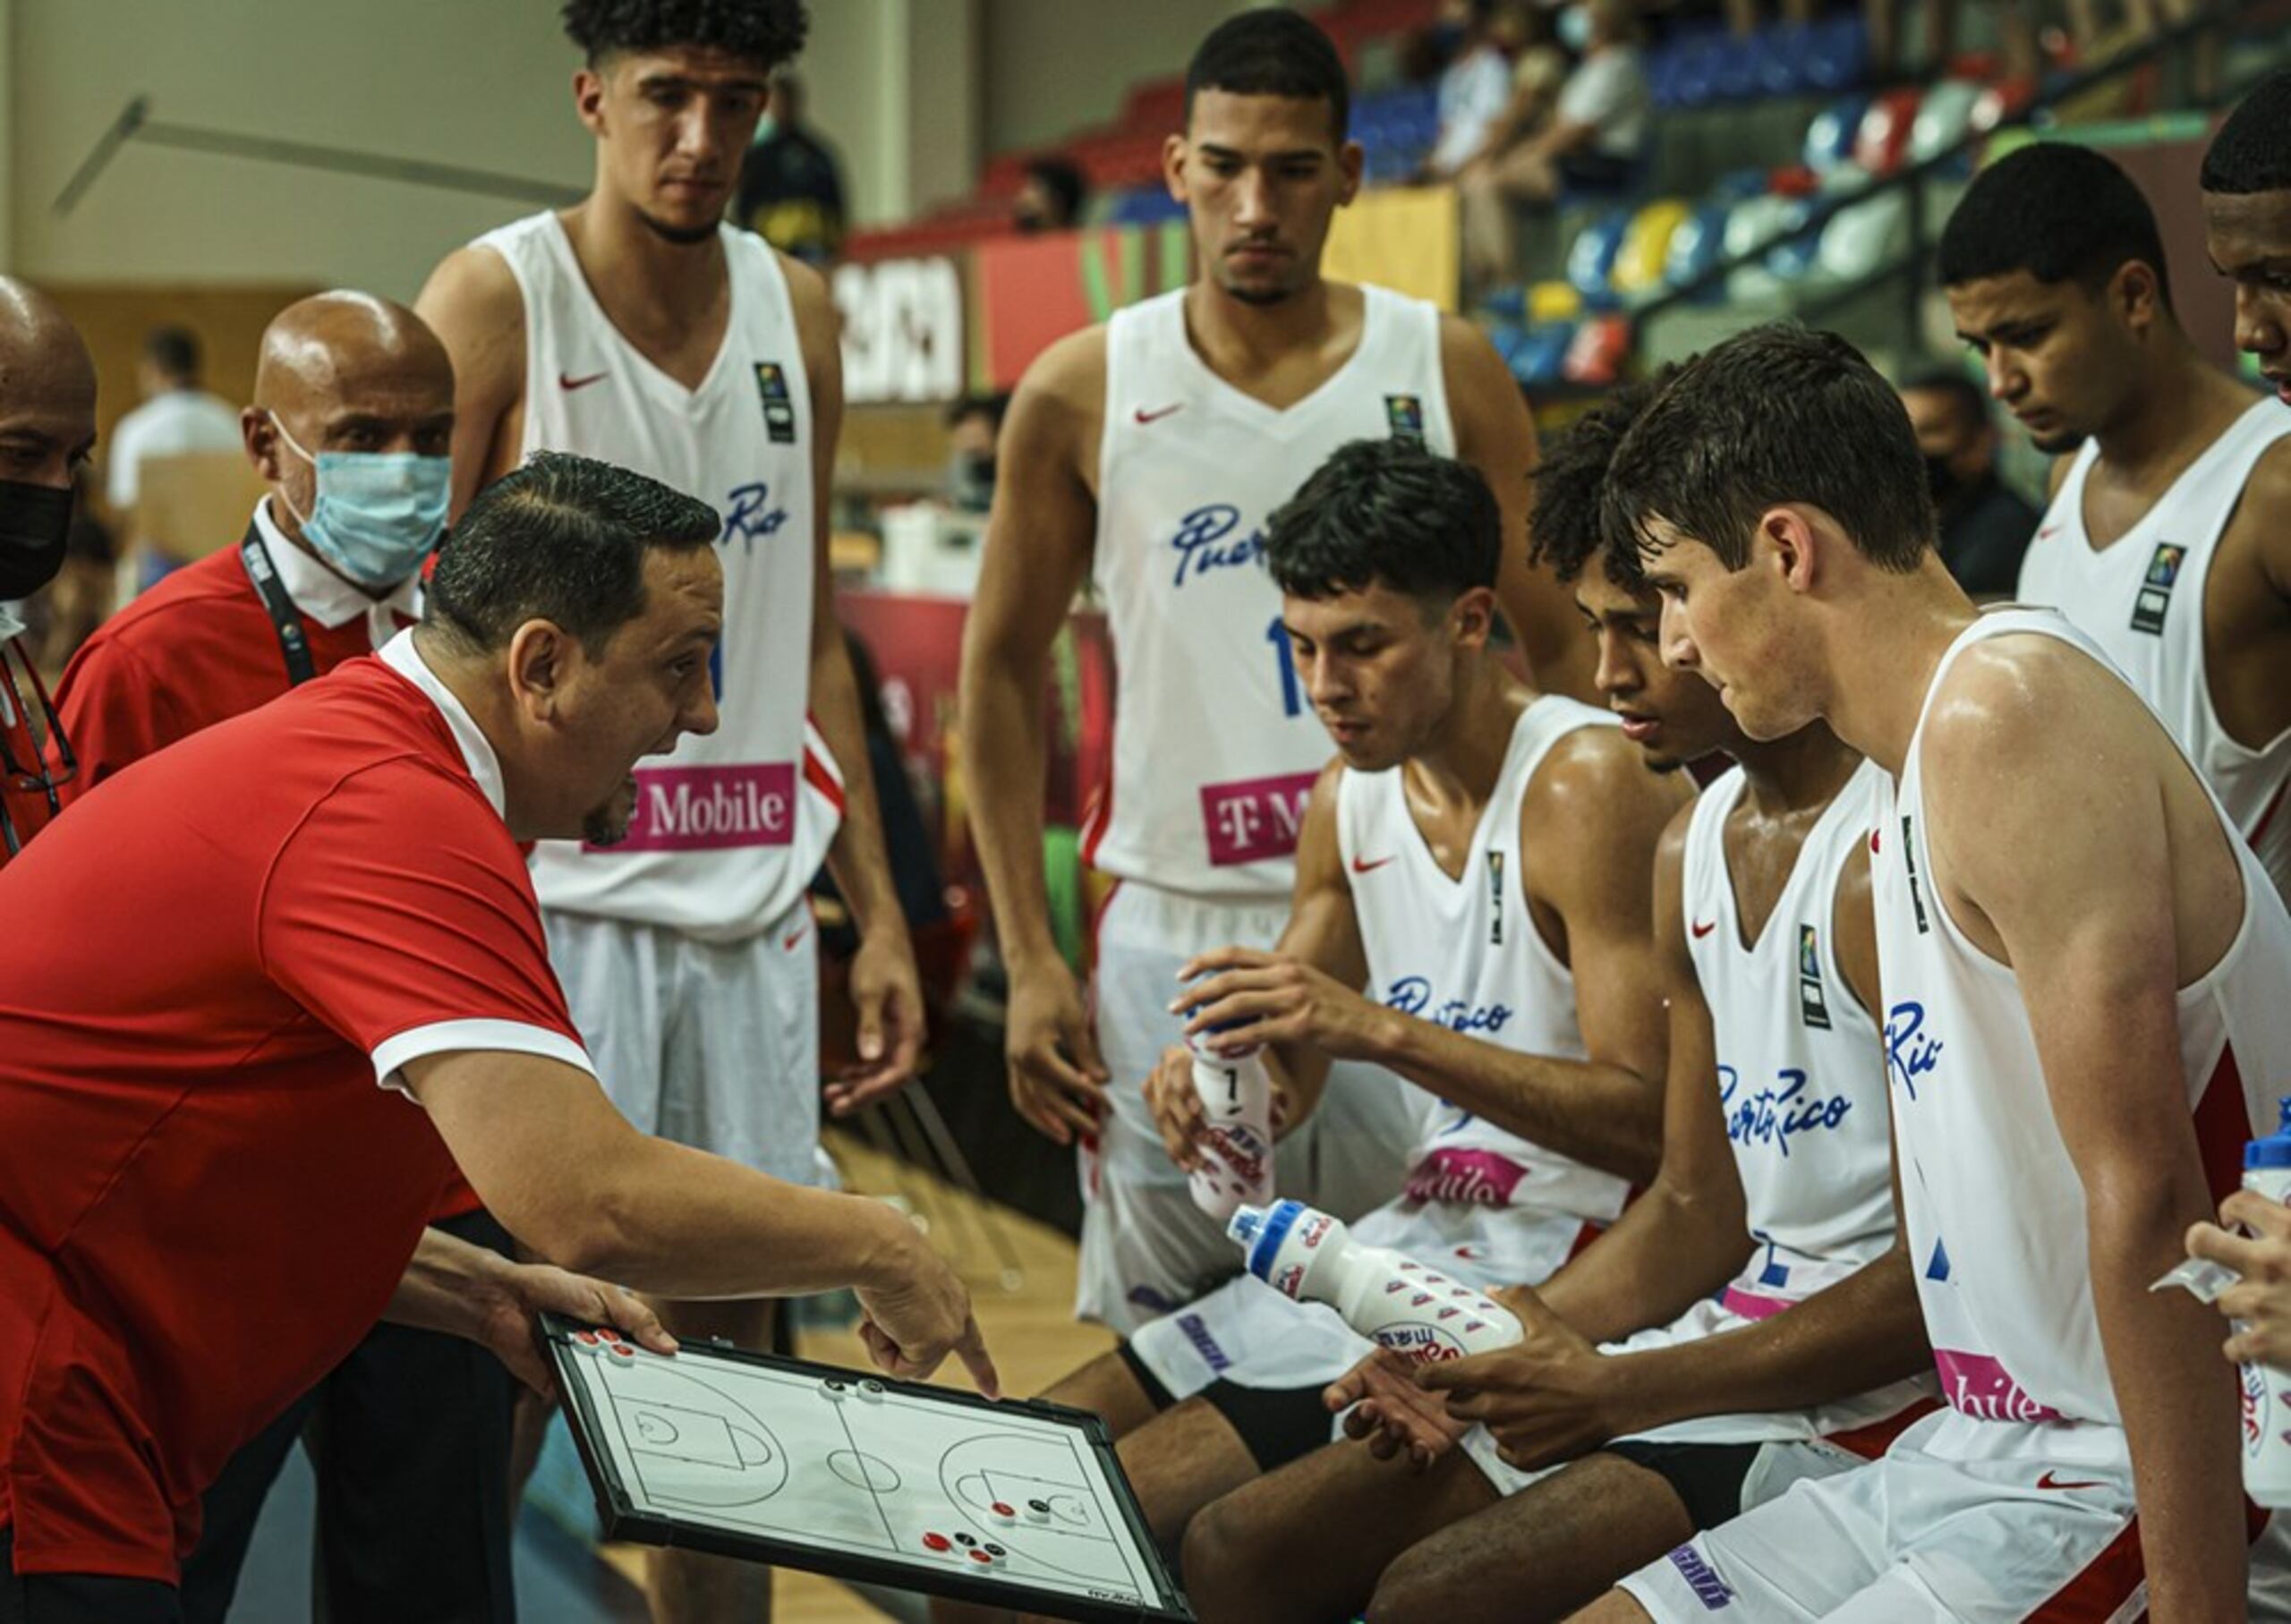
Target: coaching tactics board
[(808, 1465)]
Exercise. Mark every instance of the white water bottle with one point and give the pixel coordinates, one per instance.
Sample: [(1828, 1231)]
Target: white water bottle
[(1237, 1106), (2267, 1388), (1393, 1301)]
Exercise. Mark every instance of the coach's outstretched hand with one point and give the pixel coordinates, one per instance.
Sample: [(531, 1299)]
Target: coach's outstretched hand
[(912, 1326), (1057, 1081), (520, 1292)]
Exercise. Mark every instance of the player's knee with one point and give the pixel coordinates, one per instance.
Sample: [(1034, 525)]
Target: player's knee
[(1416, 1588), (1214, 1556)]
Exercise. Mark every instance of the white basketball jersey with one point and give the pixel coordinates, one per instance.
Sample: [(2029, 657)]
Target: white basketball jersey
[(1994, 1207), (1215, 745), (726, 837), (1800, 1072), (2141, 599), (1466, 953)]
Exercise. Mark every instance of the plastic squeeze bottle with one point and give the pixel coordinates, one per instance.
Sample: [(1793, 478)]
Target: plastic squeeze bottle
[(2267, 1388), (1393, 1301), (1237, 1105)]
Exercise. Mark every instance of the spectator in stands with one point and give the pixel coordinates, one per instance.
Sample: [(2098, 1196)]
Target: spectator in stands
[(791, 184), (974, 424), (1985, 523), (178, 415), (1051, 197), (1595, 141), (1475, 87)]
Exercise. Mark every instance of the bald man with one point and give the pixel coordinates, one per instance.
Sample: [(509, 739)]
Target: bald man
[(47, 427), (351, 428)]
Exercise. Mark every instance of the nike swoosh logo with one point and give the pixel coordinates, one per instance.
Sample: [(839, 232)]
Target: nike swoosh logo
[(2049, 1482), (2048, 530), (1143, 416), (790, 943), (568, 382), (1360, 867), (1702, 929)]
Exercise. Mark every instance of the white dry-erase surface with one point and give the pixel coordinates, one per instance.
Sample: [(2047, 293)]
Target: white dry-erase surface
[(800, 1464)]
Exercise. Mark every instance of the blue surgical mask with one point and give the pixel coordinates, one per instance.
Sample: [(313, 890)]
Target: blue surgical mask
[(379, 514), (1575, 29)]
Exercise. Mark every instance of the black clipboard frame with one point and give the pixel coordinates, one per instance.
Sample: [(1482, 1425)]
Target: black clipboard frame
[(621, 1519)]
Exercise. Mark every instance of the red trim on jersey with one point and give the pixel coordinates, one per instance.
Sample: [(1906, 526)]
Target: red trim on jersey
[(1584, 1237), (1096, 818), (1874, 1439), (2108, 1581), (2222, 1125), (2268, 817), (819, 777)]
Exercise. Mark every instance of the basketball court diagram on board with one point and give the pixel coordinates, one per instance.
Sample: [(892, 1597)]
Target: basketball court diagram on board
[(809, 1465)]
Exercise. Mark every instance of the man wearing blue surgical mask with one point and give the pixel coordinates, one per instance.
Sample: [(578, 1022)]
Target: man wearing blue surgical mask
[(350, 429)]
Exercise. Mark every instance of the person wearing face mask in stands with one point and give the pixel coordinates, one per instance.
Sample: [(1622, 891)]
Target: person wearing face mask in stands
[(351, 426), (47, 427), (1985, 523), (352, 420)]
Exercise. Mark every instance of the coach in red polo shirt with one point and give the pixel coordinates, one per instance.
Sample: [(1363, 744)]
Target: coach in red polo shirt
[(47, 427), (350, 429), (305, 977)]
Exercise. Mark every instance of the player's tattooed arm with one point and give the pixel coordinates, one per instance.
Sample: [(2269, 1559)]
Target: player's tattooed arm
[(1039, 539), (1685, 1236), (2089, 911), (472, 301), (1495, 434)]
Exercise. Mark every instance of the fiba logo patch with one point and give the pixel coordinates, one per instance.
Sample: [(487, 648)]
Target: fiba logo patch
[(1813, 1009), (779, 409), (2155, 597), (1405, 414)]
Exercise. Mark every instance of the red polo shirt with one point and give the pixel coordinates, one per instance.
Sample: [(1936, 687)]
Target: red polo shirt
[(197, 649), (206, 1196)]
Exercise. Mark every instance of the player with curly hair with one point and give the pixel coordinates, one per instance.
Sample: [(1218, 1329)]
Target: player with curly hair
[(638, 328)]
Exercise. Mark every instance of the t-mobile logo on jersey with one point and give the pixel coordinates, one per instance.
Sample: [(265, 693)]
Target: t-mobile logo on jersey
[(1255, 820), (699, 809), (1979, 1386)]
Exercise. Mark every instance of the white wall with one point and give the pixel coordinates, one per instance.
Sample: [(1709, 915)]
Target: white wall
[(1055, 67), (481, 83)]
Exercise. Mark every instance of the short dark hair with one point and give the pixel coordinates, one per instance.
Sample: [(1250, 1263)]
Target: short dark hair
[(563, 540), (1776, 413), (1386, 510), (1972, 401), (174, 351), (2062, 213), (992, 407), (766, 33), (1565, 526), (2253, 151), (1272, 51), (1063, 181)]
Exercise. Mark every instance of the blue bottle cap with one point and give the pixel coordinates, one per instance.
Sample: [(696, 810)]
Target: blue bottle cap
[(1261, 1230), (2275, 1149)]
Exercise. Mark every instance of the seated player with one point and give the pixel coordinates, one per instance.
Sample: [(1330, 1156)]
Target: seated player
[(1480, 855), (1762, 925), (2084, 1019)]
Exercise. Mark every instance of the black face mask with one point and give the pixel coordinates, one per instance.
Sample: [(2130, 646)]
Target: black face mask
[(34, 521), (1943, 480)]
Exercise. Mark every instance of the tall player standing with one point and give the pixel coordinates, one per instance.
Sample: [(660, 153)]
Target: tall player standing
[(636, 327), (2168, 540), (1149, 451), (2084, 1019)]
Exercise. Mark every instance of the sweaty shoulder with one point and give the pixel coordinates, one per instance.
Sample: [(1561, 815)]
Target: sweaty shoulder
[(2265, 510), (1072, 373), (1593, 774), (2018, 703)]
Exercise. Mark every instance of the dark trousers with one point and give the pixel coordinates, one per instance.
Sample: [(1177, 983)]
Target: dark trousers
[(409, 1438), (79, 1598)]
